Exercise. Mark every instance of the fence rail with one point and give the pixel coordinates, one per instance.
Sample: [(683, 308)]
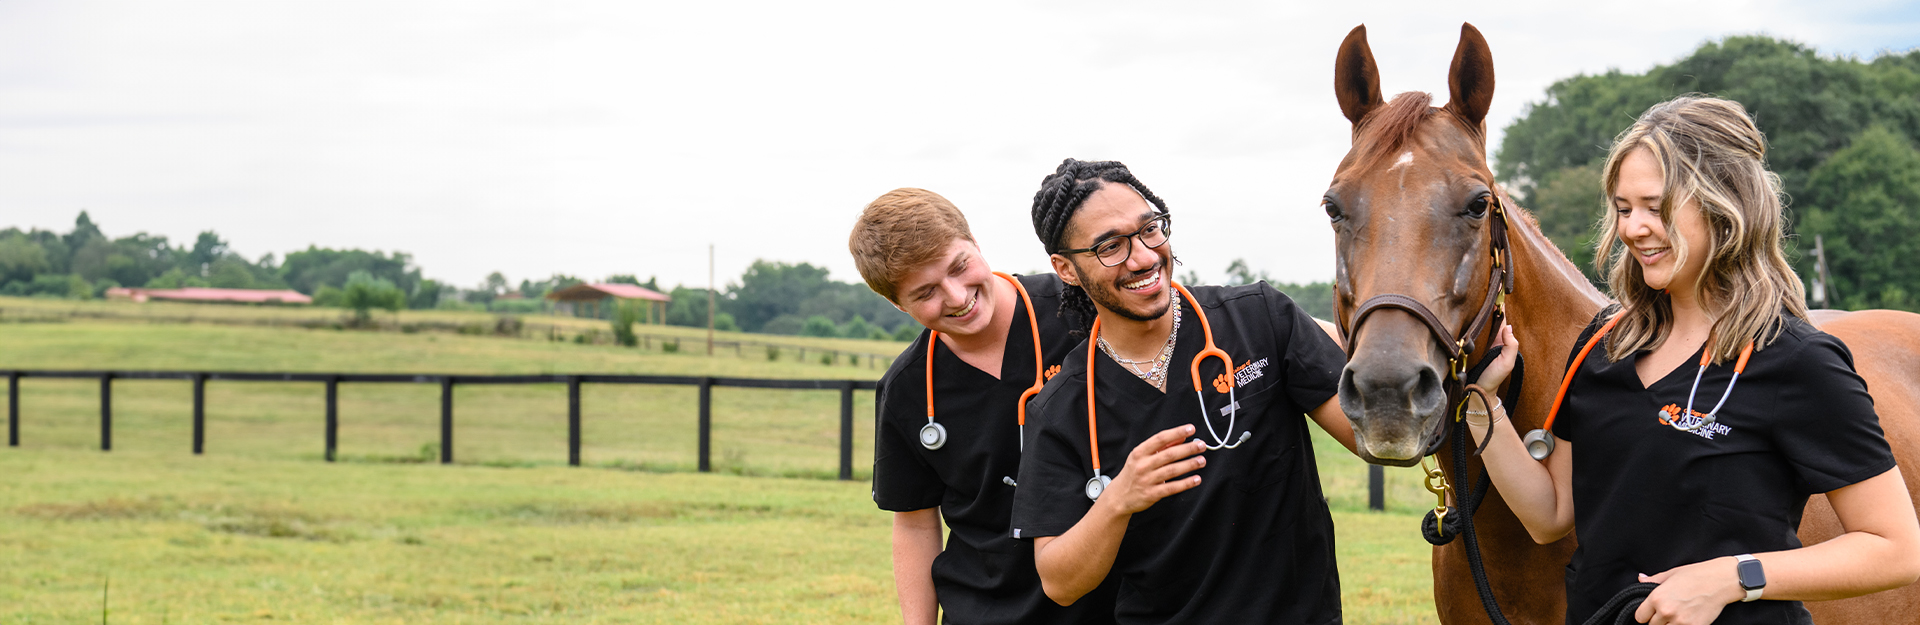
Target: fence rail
[(1376, 486), (332, 382)]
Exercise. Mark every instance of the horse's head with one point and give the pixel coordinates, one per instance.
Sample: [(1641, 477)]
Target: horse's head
[(1414, 211)]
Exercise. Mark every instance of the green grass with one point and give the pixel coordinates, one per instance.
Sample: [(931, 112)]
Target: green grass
[(260, 530)]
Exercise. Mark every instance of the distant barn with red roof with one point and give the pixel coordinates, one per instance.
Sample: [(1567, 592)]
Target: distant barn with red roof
[(211, 295), (597, 300)]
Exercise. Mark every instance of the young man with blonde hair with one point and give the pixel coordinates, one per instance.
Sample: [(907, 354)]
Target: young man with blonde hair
[(947, 437)]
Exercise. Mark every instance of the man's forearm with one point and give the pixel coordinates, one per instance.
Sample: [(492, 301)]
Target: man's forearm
[(1073, 564), (916, 542)]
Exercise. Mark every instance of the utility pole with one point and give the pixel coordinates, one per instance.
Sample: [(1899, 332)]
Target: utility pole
[(1821, 282), (709, 299)]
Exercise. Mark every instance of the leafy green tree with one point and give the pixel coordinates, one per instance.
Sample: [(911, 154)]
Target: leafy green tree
[(365, 292), (907, 331), (724, 322), (307, 270), (1811, 108), (1865, 203), (858, 328), (771, 289), (1568, 204), (819, 325), (21, 258), (170, 280), (230, 272)]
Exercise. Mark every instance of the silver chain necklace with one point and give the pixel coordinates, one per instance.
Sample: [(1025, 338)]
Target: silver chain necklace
[(1157, 374)]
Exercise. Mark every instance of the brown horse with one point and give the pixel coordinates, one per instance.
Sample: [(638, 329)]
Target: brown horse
[(1418, 219)]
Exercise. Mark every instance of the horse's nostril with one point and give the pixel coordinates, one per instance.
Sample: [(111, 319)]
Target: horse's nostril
[(1426, 391)]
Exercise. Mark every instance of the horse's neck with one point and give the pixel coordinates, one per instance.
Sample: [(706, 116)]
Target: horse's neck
[(1551, 303)]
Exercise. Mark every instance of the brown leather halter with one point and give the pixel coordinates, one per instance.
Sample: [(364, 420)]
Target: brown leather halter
[(1459, 347)]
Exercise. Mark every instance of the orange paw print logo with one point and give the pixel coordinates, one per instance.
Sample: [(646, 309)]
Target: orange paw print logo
[(1052, 370), (1222, 384)]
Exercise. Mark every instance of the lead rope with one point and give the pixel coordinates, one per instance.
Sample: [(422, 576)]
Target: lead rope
[(1440, 528)]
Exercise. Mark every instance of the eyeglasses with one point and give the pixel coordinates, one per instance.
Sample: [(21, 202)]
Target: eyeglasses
[(1117, 249)]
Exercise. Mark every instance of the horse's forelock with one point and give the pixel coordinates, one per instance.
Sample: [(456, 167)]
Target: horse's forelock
[(1388, 127)]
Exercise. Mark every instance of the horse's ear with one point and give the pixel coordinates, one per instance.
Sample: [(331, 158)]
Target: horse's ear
[(1470, 81), (1355, 78)]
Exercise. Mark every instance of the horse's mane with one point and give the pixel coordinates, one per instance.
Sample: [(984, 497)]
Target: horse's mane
[(1391, 125)]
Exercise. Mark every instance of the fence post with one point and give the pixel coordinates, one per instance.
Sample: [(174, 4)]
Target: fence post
[(446, 420), (573, 420), (1376, 487), (846, 430), (199, 413), (106, 411), (333, 415), (13, 409), (706, 425)]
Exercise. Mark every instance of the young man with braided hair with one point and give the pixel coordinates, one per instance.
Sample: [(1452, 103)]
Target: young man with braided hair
[(1238, 534), (947, 438)]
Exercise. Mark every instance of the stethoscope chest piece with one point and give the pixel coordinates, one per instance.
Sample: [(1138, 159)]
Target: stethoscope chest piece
[(1539, 444), (1096, 485), (933, 436)]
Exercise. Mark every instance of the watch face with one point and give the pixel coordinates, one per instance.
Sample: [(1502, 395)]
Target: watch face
[(1751, 575)]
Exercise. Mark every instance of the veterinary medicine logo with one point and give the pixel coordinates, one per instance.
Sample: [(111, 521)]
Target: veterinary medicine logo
[(1692, 420), (1248, 372)]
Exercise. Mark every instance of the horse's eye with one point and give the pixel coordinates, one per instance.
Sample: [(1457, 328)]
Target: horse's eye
[(1477, 208), (1333, 210)]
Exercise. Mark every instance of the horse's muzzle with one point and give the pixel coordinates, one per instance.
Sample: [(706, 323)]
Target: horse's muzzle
[(1393, 407)]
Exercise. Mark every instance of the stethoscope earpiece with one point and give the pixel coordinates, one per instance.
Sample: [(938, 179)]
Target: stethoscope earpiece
[(933, 435)]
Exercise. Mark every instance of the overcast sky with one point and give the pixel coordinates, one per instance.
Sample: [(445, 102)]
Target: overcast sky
[(594, 138)]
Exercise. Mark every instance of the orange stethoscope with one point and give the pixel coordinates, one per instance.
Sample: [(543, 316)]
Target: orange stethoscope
[(1098, 484), (933, 435), (1540, 442)]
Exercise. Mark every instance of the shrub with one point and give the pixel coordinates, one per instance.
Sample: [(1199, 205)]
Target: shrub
[(507, 325), (670, 347), (624, 316), (819, 325), (906, 332), (773, 353), (364, 293), (724, 323)]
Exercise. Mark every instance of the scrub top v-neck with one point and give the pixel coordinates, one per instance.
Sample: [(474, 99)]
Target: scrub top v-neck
[(1649, 497), (1254, 542), (982, 576)]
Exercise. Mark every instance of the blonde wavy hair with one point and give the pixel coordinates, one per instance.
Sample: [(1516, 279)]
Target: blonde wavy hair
[(1709, 150)]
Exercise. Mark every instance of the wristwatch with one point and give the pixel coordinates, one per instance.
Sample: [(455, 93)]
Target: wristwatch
[(1753, 579)]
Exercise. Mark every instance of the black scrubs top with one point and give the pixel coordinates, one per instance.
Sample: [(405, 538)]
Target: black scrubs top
[(1253, 543), (983, 576), (1648, 497)]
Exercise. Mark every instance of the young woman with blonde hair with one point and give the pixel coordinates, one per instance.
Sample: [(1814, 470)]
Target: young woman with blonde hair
[(1710, 409)]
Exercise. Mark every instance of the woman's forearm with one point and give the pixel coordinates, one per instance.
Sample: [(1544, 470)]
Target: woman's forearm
[(1880, 551), (916, 542), (1539, 493)]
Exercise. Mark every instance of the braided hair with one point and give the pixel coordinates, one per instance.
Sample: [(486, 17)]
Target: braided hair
[(1061, 195)]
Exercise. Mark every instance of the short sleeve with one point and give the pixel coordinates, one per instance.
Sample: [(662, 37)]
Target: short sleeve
[(1562, 428), (1051, 496), (902, 480), (1825, 424), (1313, 360)]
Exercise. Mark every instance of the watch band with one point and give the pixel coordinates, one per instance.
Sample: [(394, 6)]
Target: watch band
[(1752, 577)]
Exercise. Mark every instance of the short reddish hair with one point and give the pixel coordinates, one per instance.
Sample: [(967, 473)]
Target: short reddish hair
[(900, 231)]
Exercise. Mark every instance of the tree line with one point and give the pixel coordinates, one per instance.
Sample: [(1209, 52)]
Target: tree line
[(1841, 134)]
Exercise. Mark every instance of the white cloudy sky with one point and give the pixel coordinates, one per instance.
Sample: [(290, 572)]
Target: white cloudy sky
[(595, 138)]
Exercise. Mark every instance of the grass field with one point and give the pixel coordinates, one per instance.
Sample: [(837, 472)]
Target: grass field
[(260, 530)]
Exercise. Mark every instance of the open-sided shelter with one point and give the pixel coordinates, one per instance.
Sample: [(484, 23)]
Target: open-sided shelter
[(599, 300)]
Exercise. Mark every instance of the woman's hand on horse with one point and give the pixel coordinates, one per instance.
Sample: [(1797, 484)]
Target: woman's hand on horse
[(1496, 373), (1151, 469), (1691, 594)]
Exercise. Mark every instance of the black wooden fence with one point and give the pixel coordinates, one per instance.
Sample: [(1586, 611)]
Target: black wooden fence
[(1376, 478), (332, 382)]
